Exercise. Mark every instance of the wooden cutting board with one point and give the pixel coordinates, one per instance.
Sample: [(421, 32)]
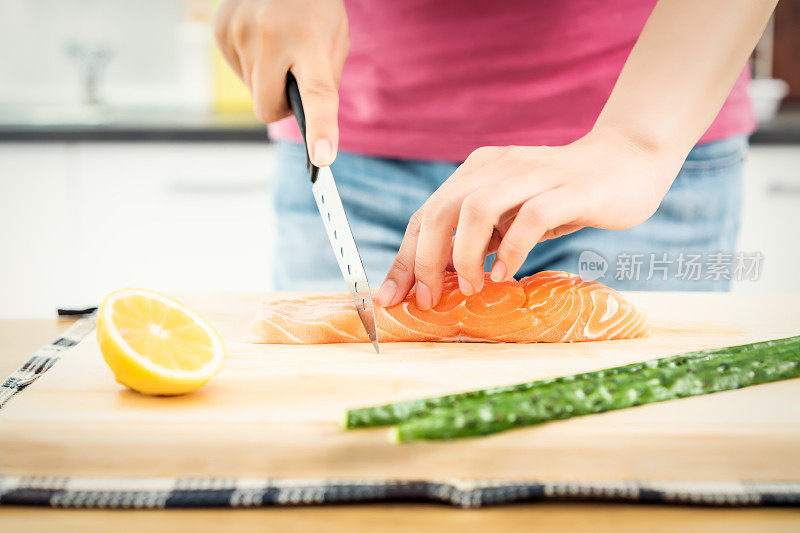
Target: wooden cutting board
[(273, 410)]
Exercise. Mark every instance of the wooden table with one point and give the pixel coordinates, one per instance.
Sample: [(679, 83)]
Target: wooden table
[(18, 338)]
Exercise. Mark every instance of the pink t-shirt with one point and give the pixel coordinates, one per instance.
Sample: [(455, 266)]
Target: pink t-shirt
[(435, 79)]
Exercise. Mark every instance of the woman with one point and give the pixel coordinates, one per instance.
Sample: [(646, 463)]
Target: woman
[(613, 128)]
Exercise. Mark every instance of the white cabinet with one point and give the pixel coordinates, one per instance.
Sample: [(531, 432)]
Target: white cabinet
[(37, 248), (175, 217), (771, 217), (100, 216)]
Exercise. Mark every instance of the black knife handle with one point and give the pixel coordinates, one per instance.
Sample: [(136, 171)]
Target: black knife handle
[(296, 104)]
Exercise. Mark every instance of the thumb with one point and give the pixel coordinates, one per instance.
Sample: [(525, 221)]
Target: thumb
[(321, 106)]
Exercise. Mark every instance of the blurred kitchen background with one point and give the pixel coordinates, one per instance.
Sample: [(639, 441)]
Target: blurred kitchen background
[(129, 156)]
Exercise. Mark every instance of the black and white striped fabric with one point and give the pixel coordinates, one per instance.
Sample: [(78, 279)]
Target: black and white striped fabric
[(161, 493), (165, 493), (43, 359)]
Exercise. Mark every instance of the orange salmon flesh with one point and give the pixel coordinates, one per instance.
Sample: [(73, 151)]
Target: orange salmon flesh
[(548, 306)]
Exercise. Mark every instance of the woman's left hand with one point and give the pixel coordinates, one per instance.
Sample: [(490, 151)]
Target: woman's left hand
[(508, 199)]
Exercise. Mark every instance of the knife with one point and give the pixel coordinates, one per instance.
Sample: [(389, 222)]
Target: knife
[(336, 225)]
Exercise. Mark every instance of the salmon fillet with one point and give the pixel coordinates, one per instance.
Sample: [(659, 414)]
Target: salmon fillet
[(546, 307)]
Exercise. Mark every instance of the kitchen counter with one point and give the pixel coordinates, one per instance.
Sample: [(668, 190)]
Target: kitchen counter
[(784, 129), (137, 125), (18, 338), (57, 124)]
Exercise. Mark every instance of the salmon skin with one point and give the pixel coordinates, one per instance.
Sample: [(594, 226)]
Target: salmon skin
[(548, 306)]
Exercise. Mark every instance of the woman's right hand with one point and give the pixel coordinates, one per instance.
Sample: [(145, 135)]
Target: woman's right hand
[(262, 40)]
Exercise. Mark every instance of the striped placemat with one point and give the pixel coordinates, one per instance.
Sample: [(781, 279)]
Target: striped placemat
[(163, 493), (166, 493)]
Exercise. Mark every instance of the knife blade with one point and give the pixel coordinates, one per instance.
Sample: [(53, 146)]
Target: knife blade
[(337, 227)]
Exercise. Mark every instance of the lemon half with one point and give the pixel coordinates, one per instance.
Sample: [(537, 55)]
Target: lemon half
[(155, 345)]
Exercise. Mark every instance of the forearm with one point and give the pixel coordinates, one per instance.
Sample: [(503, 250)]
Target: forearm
[(681, 70)]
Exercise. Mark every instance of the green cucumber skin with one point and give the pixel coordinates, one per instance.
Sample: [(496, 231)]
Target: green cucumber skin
[(402, 411), (507, 411)]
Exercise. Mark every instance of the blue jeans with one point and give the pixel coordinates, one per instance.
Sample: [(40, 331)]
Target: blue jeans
[(696, 224)]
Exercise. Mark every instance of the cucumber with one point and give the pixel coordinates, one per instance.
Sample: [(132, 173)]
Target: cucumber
[(631, 375), (558, 401)]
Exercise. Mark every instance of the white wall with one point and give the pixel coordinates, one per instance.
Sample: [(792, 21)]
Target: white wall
[(141, 36)]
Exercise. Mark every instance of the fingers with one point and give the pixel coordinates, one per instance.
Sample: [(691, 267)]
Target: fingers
[(481, 213), (315, 77), (494, 242), (476, 223), (433, 251), (422, 259), (436, 245), (268, 87), (262, 41), (560, 231), (400, 277), (223, 34), (549, 210), (244, 41)]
